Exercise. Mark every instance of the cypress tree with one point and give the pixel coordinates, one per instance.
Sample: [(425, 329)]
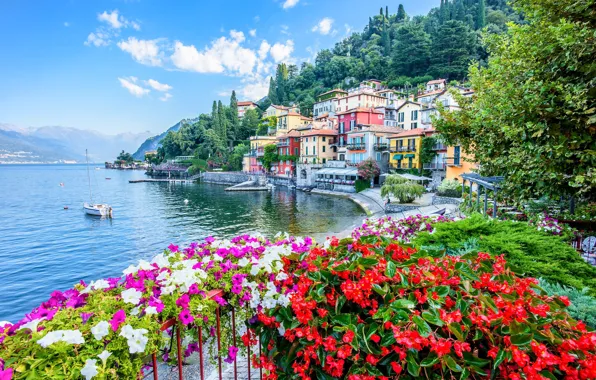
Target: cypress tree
[(481, 17), (221, 119), (401, 13), (381, 12), (214, 125), (233, 116), (272, 95), (386, 12)]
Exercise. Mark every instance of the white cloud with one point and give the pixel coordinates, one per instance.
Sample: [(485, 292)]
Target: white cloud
[(135, 25), (252, 32), (289, 4), (324, 26), (224, 93), (66, 24), (135, 89), (159, 86), (165, 97), (113, 19), (254, 88), (348, 29), (284, 29), (224, 54), (98, 39), (282, 52), (264, 49), (147, 52)]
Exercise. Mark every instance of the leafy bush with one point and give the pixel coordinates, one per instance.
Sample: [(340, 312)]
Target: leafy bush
[(368, 169), (583, 306), (373, 309), (528, 251), (449, 188), (403, 189), (361, 185)]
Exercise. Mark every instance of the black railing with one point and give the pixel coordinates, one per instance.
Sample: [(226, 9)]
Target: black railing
[(403, 149), (453, 161), (434, 166), (355, 146), (381, 146)]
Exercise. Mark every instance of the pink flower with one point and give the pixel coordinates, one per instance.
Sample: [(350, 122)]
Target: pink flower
[(220, 300), (232, 351), (194, 289), (118, 319), (173, 248), (6, 374), (185, 317), (157, 304), (183, 301)]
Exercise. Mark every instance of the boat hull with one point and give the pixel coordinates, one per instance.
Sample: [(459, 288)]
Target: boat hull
[(97, 209)]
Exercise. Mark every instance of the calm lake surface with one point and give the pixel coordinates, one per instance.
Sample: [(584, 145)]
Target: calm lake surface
[(44, 247)]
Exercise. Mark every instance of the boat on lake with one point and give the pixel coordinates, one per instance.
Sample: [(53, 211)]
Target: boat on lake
[(95, 209)]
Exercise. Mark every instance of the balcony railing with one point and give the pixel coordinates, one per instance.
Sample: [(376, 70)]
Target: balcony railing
[(381, 146), (403, 148), (355, 146), (434, 166), (283, 143), (439, 147), (453, 161), (403, 165)]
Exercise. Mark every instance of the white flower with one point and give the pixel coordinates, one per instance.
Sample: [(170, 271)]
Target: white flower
[(282, 330), (73, 337), (281, 276), (243, 262), (132, 296), (104, 356), (90, 369), (31, 325), (136, 339), (100, 330), (5, 323), (161, 261), (50, 338), (130, 270), (135, 311), (100, 284), (150, 310)]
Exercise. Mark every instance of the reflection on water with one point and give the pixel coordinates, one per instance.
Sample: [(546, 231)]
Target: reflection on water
[(45, 247)]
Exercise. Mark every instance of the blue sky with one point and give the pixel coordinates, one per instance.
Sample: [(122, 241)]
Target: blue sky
[(142, 65)]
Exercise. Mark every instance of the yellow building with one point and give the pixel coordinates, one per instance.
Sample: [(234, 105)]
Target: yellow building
[(405, 149), (316, 146), (457, 162), (289, 121), (257, 144)]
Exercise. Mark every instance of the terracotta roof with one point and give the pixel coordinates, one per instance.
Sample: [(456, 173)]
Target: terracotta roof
[(438, 92), (292, 114), (410, 133), (326, 114), (320, 132), (360, 109), (436, 81), (280, 107), (305, 118), (331, 91), (292, 133), (247, 103), (406, 102)]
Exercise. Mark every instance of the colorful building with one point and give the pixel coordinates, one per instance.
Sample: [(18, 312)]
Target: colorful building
[(457, 163), (405, 115), (288, 121), (370, 141), (348, 120), (251, 161), (327, 102), (317, 146), (245, 106), (405, 149), (288, 145), (366, 98)]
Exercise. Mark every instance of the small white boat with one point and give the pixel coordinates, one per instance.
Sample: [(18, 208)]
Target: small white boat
[(97, 209)]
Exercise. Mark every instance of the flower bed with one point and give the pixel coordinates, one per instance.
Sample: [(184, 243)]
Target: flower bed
[(364, 307)]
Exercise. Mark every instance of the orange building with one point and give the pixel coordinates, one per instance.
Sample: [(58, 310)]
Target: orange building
[(457, 163)]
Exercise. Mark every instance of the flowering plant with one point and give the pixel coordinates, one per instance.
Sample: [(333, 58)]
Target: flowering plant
[(367, 307)]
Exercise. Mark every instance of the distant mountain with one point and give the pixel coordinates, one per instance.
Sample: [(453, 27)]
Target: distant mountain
[(58, 144), (154, 142)]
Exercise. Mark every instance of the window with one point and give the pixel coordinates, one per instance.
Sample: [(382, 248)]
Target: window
[(295, 151), (352, 124), (324, 160), (410, 162), (323, 138), (415, 115), (306, 151), (314, 139), (323, 148), (379, 156), (414, 125), (314, 150), (400, 117), (456, 155), (306, 139)]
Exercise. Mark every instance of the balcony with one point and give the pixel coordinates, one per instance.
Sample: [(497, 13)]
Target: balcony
[(283, 143), (403, 165), (453, 161), (381, 146), (355, 146), (403, 149), (271, 131), (439, 147), (434, 166)]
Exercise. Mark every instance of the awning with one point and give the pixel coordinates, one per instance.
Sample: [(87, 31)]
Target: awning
[(398, 156), (413, 177), (410, 155), (338, 171)]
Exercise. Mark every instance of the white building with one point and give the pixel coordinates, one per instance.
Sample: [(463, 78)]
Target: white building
[(327, 102)]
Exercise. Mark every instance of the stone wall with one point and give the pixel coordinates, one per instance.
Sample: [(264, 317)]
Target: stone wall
[(306, 174), (392, 208), (282, 181), (226, 178), (437, 200)]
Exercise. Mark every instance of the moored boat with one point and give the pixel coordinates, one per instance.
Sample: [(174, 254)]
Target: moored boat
[(97, 209)]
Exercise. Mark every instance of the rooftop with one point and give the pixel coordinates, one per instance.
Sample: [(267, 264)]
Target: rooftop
[(320, 132), (410, 133), (375, 128), (436, 81), (247, 103), (360, 109)]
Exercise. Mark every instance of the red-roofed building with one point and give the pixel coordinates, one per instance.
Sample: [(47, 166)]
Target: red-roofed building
[(317, 146), (288, 145), (245, 106), (348, 120)]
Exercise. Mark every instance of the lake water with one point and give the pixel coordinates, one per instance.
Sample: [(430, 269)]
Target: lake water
[(44, 247)]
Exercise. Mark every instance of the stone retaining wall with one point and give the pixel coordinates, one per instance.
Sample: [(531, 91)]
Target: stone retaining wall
[(393, 208), (281, 181), (226, 178), (446, 200)]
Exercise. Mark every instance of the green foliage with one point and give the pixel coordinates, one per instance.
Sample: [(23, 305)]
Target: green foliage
[(528, 251), (361, 185), (368, 169), (452, 50), (198, 165), (235, 160), (449, 188), (404, 190), (533, 117), (269, 156), (583, 306), (427, 153), (125, 157)]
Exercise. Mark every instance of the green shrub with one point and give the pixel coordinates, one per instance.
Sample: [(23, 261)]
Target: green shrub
[(403, 189), (583, 306), (449, 188), (362, 184), (528, 251)]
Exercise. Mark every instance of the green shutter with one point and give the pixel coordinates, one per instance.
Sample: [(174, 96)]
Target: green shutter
[(398, 156), (410, 155)]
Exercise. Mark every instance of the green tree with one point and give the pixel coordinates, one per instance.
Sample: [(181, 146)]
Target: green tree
[(272, 95), (453, 48), (234, 121), (269, 156), (249, 125), (237, 156), (401, 13), (533, 117), (412, 50), (281, 78), (481, 16), (222, 122), (404, 190), (125, 156)]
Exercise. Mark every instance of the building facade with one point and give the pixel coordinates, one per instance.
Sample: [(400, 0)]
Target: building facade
[(251, 163), (317, 146), (370, 142), (288, 145), (327, 102), (348, 120), (405, 149), (245, 106)]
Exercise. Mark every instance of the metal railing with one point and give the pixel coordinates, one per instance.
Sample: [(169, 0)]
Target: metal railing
[(355, 146), (439, 147), (402, 166), (453, 161), (381, 146), (403, 148), (434, 166)]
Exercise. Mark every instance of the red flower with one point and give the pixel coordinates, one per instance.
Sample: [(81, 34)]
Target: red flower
[(375, 338), (348, 336), (371, 359), (396, 367)]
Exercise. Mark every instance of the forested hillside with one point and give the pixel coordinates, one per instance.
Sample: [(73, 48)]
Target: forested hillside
[(402, 51)]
